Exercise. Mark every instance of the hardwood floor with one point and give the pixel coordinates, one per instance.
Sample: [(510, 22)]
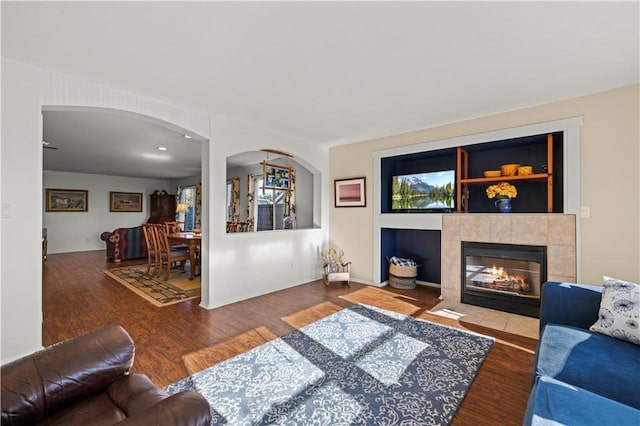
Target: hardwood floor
[(78, 297)]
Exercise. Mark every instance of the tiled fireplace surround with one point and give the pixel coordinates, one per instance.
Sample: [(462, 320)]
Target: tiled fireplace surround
[(555, 231)]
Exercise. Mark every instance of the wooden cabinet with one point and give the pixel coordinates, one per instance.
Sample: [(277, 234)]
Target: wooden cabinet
[(162, 207), (463, 180)]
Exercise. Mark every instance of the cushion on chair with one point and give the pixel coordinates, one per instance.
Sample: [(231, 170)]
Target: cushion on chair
[(592, 361), (571, 304), (96, 410), (619, 314), (553, 403), (135, 393)]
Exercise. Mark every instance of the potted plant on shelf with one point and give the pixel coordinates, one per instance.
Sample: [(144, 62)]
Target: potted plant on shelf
[(503, 192)]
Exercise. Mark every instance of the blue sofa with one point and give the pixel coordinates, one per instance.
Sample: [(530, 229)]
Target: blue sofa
[(581, 377)]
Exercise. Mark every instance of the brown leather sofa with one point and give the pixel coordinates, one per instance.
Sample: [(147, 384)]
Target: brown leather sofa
[(85, 381)]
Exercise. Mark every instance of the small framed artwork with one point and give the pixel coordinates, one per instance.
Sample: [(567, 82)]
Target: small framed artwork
[(276, 177), (350, 192), (122, 202), (67, 200)]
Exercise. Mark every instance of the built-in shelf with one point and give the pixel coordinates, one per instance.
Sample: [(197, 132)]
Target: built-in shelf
[(463, 181), (540, 192), (536, 176), (566, 184)]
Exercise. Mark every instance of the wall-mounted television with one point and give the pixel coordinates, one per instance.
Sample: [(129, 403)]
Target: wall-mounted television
[(424, 192)]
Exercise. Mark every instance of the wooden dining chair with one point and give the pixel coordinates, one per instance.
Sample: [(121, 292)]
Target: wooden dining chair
[(173, 227), (152, 248), (169, 257)]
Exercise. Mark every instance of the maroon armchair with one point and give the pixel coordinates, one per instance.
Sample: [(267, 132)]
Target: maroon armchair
[(85, 381)]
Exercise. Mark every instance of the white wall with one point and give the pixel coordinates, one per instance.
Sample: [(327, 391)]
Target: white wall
[(235, 267), (25, 90), (21, 263), (305, 198), (80, 231), (609, 169), (188, 181), (245, 265)]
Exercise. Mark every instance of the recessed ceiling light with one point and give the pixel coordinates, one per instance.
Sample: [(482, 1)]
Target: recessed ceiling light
[(162, 148), (187, 136)]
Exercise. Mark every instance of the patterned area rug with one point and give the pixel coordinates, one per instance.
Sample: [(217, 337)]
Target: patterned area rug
[(360, 366), (161, 293), (204, 358)]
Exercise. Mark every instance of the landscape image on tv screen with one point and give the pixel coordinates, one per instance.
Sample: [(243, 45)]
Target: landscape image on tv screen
[(424, 191)]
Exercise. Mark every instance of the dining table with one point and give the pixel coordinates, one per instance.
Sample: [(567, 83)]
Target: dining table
[(193, 242)]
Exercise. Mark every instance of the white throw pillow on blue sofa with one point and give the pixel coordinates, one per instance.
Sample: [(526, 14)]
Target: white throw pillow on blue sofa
[(619, 314)]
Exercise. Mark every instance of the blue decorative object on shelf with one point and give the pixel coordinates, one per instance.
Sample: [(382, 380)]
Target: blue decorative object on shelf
[(503, 205)]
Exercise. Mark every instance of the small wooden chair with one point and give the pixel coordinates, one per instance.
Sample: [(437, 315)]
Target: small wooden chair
[(168, 256), (335, 269), (152, 248)]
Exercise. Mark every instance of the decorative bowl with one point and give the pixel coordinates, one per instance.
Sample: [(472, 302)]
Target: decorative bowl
[(492, 173), (197, 231), (525, 170), (509, 169)]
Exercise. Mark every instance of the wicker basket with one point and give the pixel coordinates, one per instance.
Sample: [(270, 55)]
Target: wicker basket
[(402, 277), (403, 271), (403, 283)]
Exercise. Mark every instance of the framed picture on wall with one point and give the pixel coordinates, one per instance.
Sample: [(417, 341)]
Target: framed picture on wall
[(350, 192), (122, 202), (67, 200), (276, 177)]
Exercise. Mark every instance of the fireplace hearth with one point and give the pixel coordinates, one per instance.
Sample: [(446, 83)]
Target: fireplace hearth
[(505, 277)]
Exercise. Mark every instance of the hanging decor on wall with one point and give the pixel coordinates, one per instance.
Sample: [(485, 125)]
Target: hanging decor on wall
[(276, 177), (350, 192), (122, 202), (67, 200)]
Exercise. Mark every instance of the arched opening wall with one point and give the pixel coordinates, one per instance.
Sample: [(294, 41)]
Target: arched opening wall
[(239, 266), (248, 264), (26, 90)]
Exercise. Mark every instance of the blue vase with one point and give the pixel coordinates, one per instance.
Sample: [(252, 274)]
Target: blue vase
[(503, 205)]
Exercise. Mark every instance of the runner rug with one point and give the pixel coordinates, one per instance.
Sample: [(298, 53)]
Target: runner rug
[(360, 366), (154, 289)]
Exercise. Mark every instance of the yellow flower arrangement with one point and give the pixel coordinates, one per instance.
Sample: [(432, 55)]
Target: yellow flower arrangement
[(502, 190)]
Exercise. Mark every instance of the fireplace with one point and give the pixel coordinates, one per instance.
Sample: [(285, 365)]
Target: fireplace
[(505, 277)]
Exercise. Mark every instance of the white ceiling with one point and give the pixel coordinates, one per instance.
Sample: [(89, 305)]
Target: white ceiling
[(334, 72), (108, 143)]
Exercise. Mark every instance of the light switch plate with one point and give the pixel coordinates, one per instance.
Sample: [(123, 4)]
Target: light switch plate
[(6, 211)]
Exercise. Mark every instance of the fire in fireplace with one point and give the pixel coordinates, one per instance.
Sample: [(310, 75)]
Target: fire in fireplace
[(506, 277), (497, 278)]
